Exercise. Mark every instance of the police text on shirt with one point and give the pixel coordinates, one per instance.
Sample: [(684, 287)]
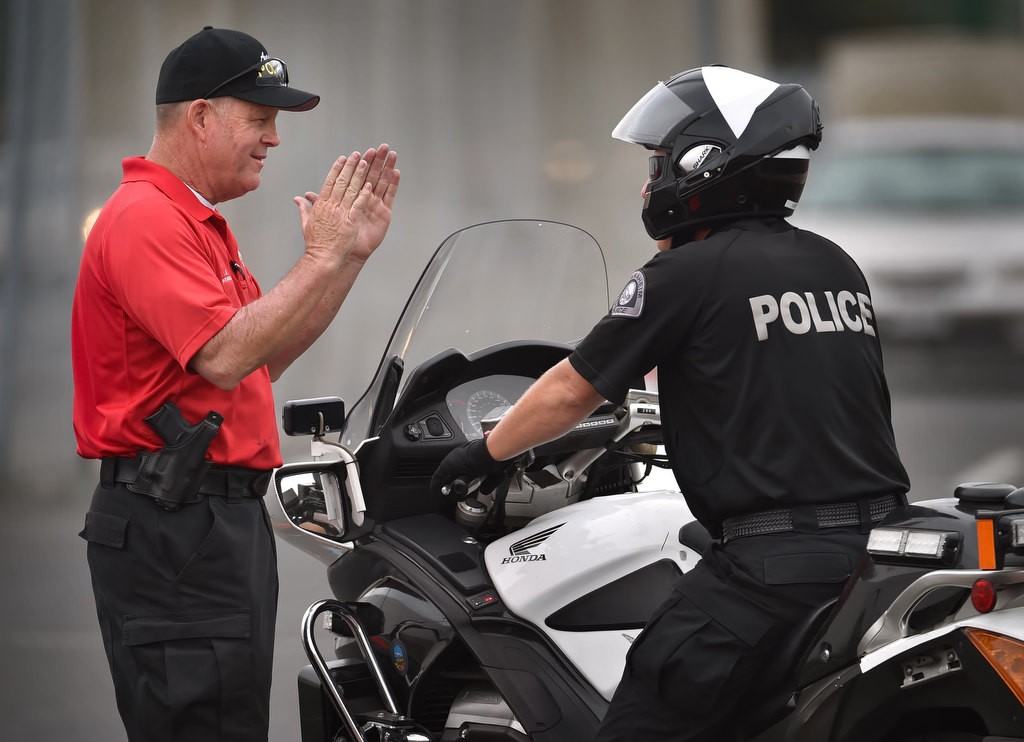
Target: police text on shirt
[(821, 311)]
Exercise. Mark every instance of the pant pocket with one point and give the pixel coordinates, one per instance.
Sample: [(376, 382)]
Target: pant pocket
[(690, 649), (664, 633), (161, 627), (105, 529), (184, 535), (802, 569), (197, 675)]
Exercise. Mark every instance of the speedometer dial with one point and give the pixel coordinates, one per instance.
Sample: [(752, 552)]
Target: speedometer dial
[(480, 404)]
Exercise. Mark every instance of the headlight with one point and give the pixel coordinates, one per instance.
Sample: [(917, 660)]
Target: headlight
[(929, 544), (1017, 526), (886, 541), (913, 543)]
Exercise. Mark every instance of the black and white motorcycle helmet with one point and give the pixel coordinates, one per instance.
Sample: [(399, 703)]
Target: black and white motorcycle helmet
[(737, 145)]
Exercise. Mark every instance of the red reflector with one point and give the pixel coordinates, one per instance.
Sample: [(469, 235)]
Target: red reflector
[(983, 596)]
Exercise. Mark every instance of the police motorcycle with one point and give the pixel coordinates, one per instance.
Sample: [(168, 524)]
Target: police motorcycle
[(507, 614)]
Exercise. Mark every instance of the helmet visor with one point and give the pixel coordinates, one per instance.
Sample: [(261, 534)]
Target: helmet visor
[(652, 117)]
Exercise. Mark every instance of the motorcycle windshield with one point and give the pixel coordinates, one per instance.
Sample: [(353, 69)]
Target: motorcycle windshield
[(487, 284)]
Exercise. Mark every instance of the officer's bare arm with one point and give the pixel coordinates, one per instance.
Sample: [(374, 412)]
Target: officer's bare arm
[(550, 408)]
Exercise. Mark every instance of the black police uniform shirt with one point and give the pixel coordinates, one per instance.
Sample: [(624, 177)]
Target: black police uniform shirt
[(769, 370)]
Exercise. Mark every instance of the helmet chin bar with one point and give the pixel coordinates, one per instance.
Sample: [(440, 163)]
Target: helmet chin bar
[(769, 187)]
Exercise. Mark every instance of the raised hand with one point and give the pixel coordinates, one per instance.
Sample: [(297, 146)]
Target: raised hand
[(350, 216), (383, 177)]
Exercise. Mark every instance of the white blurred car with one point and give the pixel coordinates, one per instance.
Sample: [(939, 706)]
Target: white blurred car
[(933, 211)]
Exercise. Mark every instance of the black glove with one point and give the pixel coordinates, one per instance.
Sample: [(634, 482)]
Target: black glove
[(467, 462)]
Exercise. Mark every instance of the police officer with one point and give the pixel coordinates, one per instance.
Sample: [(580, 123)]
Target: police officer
[(776, 411), (174, 347)]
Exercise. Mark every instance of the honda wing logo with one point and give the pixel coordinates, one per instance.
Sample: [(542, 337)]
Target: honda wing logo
[(524, 549)]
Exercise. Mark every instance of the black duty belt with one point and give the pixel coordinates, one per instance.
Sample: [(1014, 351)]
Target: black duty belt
[(864, 513), (232, 482)]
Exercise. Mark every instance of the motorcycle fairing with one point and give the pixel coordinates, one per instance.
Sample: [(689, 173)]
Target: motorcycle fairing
[(590, 544), (520, 662), (395, 470)]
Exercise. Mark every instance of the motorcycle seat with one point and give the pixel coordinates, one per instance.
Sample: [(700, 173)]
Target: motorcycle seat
[(695, 536)]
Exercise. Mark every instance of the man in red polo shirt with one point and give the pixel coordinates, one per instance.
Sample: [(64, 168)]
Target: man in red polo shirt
[(174, 347)]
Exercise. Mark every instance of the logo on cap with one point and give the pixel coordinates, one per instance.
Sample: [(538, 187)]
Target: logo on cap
[(272, 72)]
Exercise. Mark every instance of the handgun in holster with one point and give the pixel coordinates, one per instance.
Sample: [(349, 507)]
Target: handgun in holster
[(173, 474)]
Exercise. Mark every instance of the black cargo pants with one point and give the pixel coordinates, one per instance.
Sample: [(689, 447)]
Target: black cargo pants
[(187, 602), (690, 672)]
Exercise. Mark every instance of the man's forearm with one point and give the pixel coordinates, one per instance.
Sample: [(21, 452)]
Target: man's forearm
[(317, 321), (259, 331)]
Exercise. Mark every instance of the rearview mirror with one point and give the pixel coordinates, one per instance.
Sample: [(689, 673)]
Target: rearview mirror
[(312, 497), (317, 417)]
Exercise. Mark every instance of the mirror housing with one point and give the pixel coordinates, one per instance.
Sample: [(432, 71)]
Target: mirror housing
[(317, 417), (312, 496)]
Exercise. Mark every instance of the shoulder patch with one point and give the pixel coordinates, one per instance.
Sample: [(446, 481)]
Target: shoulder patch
[(631, 301)]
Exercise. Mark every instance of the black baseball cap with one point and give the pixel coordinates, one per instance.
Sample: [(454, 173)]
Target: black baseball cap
[(219, 62)]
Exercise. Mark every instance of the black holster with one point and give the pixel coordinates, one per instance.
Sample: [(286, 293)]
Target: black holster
[(172, 475)]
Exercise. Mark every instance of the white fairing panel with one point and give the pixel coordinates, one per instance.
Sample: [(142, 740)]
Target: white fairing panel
[(568, 553)]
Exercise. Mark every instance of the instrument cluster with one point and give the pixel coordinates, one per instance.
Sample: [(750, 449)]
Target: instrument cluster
[(473, 401)]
